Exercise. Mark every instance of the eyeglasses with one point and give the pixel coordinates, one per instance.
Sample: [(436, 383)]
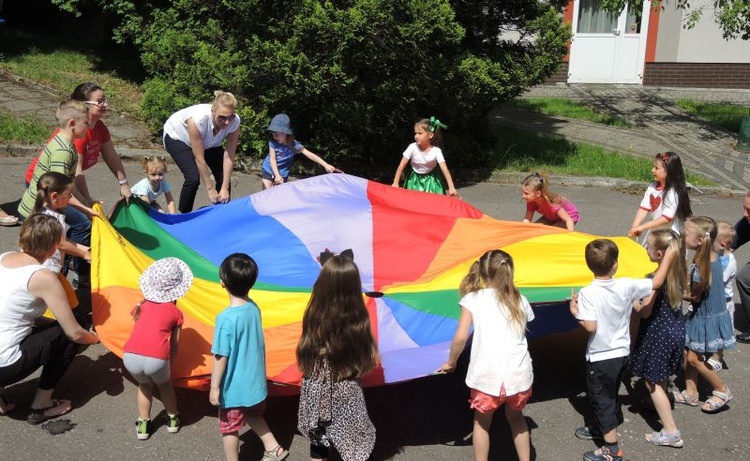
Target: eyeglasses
[(98, 103), (225, 118)]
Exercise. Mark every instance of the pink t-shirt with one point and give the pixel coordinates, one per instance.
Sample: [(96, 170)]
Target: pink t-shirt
[(549, 210), (153, 330), (90, 147)]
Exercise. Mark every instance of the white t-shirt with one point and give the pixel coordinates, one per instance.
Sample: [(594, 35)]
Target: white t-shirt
[(423, 162), (658, 204), (609, 303), (55, 262), (18, 309), (143, 189), (729, 268), (499, 354), (176, 125)]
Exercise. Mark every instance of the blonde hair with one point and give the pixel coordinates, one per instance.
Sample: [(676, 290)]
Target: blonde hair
[(702, 259), (70, 110), (674, 284), (224, 99), (40, 234), (494, 270), (725, 232), (153, 161), (539, 183)]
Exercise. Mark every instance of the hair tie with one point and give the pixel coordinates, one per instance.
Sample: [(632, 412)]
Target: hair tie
[(708, 234), (328, 254), (663, 157), (435, 124), (537, 175)]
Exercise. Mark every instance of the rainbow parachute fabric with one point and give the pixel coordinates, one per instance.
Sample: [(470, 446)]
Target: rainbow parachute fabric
[(412, 247)]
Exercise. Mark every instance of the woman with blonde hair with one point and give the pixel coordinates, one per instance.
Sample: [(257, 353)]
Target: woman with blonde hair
[(202, 140)]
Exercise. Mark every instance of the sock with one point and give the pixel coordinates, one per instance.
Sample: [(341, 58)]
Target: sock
[(613, 447)]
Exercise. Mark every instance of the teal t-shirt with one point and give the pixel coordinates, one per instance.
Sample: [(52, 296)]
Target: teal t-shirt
[(238, 336)]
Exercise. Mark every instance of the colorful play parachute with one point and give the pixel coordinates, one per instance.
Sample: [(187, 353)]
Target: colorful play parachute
[(411, 247)]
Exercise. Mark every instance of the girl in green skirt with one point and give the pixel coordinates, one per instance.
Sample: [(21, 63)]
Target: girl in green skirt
[(424, 154)]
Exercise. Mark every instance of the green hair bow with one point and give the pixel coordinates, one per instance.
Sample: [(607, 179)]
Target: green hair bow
[(435, 123)]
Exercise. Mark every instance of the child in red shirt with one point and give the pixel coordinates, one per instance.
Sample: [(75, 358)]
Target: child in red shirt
[(154, 339)]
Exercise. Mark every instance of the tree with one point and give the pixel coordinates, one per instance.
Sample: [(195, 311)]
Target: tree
[(732, 16), (353, 74)]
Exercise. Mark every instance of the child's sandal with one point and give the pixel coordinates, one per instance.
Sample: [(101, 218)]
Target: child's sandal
[(714, 364), (683, 398), (666, 439), (277, 454), (717, 401)]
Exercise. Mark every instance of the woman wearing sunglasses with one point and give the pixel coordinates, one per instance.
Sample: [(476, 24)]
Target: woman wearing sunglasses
[(200, 138), (96, 143)]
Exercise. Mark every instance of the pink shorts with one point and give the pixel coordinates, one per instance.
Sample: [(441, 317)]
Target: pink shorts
[(485, 403), (233, 419)]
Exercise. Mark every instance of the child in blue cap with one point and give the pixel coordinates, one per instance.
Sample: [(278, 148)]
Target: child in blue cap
[(282, 149)]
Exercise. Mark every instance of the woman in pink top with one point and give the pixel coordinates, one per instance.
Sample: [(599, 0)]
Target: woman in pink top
[(555, 209)]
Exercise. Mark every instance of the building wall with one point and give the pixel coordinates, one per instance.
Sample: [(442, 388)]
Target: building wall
[(702, 44)]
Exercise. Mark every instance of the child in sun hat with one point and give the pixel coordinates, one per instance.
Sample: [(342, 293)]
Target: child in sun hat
[(282, 149), (154, 339)]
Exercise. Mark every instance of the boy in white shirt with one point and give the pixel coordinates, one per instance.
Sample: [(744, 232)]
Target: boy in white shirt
[(603, 309)]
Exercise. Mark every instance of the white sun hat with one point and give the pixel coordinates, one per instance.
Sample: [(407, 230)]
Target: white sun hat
[(166, 280)]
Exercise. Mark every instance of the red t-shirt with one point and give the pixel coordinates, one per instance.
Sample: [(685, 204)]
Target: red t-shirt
[(153, 330), (90, 147)]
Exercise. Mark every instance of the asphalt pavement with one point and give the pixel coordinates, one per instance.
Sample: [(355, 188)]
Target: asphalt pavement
[(425, 419)]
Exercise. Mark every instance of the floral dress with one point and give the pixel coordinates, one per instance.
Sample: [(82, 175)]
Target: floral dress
[(335, 414), (660, 343)]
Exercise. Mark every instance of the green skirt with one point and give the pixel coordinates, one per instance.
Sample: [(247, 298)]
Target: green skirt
[(430, 182)]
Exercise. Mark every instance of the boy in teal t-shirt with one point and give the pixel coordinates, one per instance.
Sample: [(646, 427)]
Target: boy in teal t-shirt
[(238, 378)]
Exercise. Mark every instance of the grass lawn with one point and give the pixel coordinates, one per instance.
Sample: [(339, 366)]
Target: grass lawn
[(518, 150), (567, 108), (22, 130), (726, 115), (65, 63)]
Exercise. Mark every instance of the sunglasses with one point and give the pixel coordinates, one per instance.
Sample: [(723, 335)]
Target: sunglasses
[(225, 118), (98, 103)]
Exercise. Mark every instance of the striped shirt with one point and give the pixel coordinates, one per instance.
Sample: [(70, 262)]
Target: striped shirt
[(59, 155)]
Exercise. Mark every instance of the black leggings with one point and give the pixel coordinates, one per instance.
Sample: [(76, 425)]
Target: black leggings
[(46, 347), (182, 154)]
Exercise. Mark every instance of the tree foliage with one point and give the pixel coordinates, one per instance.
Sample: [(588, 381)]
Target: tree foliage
[(353, 74), (732, 16)]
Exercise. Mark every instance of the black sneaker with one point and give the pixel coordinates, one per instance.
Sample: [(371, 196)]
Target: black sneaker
[(743, 338), (586, 433)]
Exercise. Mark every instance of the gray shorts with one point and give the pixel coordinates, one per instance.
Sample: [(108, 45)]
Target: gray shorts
[(146, 370)]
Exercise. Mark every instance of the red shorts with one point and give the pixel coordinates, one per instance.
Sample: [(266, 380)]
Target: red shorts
[(233, 419), (485, 403)]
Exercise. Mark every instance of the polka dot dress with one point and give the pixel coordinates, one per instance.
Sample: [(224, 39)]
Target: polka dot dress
[(660, 343)]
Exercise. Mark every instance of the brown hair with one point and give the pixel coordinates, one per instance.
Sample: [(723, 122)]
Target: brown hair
[(40, 234), (437, 138), (675, 282), (49, 182), (494, 270), (336, 325), (539, 183), (601, 256)]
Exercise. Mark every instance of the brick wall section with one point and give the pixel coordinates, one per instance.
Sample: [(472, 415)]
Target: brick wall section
[(561, 76), (697, 75)]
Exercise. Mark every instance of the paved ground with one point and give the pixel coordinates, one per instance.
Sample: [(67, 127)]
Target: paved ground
[(425, 419)]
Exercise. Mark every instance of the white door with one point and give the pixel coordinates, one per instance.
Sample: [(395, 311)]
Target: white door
[(607, 48)]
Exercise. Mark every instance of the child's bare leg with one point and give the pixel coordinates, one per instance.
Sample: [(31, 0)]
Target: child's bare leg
[(260, 427), (481, 436), (520, 431), (231, 442), (691, 372), (145, 395), (168, 397), (662, 405), (266, 183)]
